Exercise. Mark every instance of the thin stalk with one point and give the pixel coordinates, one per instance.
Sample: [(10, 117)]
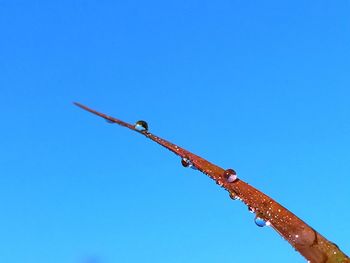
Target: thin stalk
[(307, 241)]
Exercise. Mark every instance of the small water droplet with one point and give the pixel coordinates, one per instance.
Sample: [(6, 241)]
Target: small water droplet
[(260, 222), (219, 182), (141, 126), (230, 175), (186, 162), (251, 209), (109, 121), (234, 196)]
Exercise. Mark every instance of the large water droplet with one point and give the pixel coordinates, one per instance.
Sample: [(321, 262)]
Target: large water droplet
[(260, 222), (230, 175), (305, 236), (141, 126)]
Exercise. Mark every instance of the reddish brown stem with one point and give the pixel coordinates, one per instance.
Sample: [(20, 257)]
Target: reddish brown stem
[(308, 242)]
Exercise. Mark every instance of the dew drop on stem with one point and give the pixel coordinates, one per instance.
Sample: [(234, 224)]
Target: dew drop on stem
[(186, 162), (219, 182), (230, 175), (260, 222), (251, 209), (233, 196), (141, 126)]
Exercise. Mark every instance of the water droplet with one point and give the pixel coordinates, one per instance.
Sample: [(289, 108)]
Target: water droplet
[(186, 162), (109, 121), (141, 126), (219, 182), (305, 236), (234, 196), (251, 209), (260, 222), (230, 175)]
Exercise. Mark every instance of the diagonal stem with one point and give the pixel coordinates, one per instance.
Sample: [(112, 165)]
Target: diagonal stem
[(307, 241)]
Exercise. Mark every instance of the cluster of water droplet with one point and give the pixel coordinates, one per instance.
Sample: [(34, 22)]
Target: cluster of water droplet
[(230, 176), (141, 126)]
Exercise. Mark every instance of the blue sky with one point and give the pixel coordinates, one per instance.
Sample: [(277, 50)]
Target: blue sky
[(261, 87)]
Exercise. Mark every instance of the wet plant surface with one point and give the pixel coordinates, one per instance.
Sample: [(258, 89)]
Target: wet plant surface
[(307, 241)]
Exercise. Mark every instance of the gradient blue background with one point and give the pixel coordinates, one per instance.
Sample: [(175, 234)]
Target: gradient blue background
[(261, 87)]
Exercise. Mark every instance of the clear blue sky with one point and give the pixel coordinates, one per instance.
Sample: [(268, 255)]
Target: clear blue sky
[(259, 86)]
